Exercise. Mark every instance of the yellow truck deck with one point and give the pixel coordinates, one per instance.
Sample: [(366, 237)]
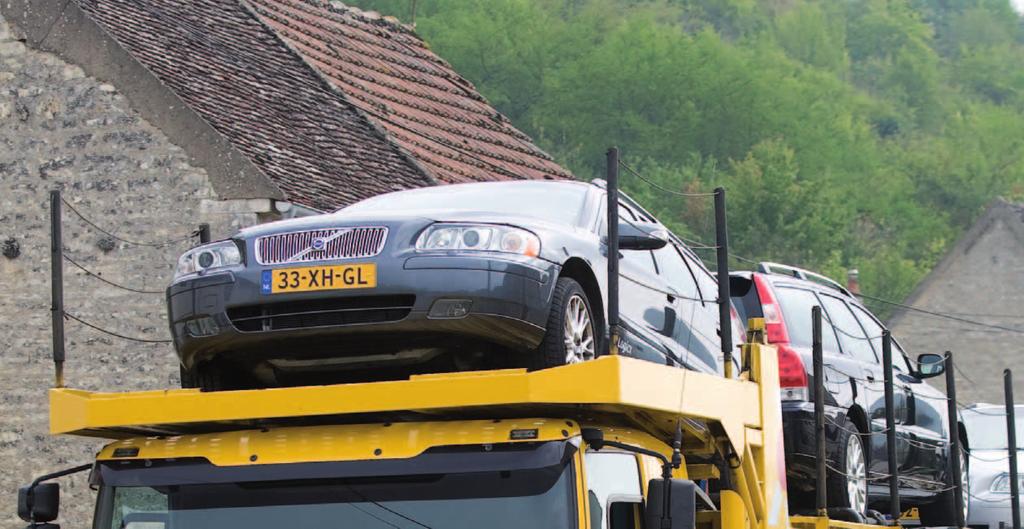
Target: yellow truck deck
[(737, 417)]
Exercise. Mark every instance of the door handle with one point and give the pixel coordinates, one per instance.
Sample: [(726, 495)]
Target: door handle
[(670, 298), (870, 376)]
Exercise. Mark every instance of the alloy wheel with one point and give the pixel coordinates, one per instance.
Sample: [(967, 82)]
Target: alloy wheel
[(856, 474), (579, 331)]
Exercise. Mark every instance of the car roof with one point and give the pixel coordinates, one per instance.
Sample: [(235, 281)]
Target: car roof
[(779, 274)]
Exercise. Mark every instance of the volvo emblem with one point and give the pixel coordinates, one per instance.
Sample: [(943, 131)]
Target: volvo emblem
[(318, 244)]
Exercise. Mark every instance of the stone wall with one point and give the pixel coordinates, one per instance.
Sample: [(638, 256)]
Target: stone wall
[(982, 283), (62, 130)]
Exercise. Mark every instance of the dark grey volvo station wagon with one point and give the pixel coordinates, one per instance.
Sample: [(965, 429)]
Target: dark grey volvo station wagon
[(456, 277)]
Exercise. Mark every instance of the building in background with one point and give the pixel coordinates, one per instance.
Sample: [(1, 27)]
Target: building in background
[(981, 279), (154, 116)]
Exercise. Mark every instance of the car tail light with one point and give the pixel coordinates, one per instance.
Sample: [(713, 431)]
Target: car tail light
[(774, 326), (792, 375)]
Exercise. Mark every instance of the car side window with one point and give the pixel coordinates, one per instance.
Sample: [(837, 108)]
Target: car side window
[(642, 259), (899, 358), (874, 330), (796, 309), (674, 272), (851, 336)]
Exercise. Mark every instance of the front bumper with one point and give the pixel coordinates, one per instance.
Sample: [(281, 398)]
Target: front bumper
[(508, 300), (990, 511)]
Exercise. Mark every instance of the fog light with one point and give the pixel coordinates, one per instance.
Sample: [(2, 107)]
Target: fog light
[(201, 327), (450, 309)]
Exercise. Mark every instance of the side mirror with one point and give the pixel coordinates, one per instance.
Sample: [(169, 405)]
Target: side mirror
[(930, 365), (641, 236), (682, 508), (39, 503)]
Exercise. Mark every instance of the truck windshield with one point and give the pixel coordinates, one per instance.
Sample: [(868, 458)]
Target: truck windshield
[(534, 498)]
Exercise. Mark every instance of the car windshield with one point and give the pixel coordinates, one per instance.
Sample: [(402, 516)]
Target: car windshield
[(553, 202), (986, 428), (509, 499)]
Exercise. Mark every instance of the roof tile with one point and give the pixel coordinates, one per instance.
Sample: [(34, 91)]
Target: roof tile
[(331, 103)]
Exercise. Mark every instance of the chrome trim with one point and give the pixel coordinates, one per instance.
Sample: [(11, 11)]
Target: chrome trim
[(356, 242)]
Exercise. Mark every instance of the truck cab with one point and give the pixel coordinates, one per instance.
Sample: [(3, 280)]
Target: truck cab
[(532, 472)]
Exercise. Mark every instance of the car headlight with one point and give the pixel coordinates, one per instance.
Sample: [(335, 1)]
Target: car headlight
[(479, 237), (1002, 483), (209, 257)]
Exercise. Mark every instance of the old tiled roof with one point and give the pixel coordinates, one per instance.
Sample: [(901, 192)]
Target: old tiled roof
[(331, 103), (388, 72)]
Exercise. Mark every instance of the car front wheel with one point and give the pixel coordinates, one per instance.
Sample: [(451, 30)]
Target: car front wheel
[(571, 336)]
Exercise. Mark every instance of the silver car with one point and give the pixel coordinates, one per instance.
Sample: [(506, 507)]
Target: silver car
[(989, 464)]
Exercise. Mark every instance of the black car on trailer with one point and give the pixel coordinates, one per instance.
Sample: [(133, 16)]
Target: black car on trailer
[(854, 398)]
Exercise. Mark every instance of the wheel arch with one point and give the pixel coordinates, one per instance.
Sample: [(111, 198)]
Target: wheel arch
[(858, 417), (579, 270)]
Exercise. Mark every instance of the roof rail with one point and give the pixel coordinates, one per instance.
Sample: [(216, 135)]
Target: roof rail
[(768, 267)]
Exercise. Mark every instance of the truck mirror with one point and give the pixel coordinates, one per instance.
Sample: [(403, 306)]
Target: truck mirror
[(682, 499), (39, 503), (641, 236)]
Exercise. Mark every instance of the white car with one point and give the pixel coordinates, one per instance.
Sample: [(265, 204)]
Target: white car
[(989, 464)]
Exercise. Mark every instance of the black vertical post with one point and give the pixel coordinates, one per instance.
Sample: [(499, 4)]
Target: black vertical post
[(613, 249), (204, 233), (1011, 445), (890, 428), (820, 455), (954, 442), (724, 303), (57, 287)]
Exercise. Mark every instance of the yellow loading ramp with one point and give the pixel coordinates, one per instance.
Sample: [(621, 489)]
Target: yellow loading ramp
[(741, 417)]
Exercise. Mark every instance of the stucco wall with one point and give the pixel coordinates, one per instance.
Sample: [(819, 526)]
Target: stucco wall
[(60, 129), (985, 283)]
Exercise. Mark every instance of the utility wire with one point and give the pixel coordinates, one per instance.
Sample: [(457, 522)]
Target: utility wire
[(111, 333), (660, 188), (190, 236), (107, 281), (940, 314), (956, 366)]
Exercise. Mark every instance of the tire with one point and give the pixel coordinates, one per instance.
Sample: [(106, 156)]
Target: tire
[(572, 334), (942, 511), (848, 489)]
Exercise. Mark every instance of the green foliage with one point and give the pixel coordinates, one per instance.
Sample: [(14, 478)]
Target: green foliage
[(861, 134)]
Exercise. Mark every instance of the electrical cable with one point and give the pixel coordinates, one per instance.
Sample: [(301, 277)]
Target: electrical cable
[(111, 333), (107, 281), (956, 367), (660, 188), (190, 236), (940, 314)]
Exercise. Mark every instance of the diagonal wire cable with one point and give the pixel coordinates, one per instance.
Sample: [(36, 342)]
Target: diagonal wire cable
[(100, 229), (107, 281), (659, 187), (112, 333)]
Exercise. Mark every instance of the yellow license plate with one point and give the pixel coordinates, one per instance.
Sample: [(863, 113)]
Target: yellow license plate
[(311, 278)]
